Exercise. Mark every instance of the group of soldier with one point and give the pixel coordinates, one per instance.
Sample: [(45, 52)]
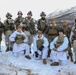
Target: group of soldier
[(46, 39)]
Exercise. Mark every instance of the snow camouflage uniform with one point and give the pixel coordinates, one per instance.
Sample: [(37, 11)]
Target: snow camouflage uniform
[(29, 28), (9, 28), (59, 56), (40, 47), (20, 43), (73, 40), (1, 31)]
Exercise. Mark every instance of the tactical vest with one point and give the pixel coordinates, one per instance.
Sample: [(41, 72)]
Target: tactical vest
[(1, 30), (42, 24), (30, 25), (1, 27), (74, 36), (67, 31), (19, 38), (30, 22), (53, 30), (25, 23), (39, 43), (59, 42), (9, 24), (18, 21)]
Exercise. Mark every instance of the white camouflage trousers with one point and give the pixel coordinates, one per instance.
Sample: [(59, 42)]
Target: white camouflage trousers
[(42, 54), (17, 48)]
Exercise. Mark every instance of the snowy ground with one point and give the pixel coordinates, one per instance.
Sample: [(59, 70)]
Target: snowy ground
[(9, 65)]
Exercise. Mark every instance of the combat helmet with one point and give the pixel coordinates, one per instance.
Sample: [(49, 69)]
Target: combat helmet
[(42, 14), (8, 14), (29, 13), (19, 12)]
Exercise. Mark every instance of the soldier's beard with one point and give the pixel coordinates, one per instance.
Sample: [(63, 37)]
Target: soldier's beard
[(43, 18), (29, 17)]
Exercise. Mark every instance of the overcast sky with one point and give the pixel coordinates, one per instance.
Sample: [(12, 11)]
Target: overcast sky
[(36, 6)]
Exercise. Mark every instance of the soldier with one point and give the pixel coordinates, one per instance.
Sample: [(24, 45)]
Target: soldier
[(51, 31), (73, 39), (58, 49), (42, 23), (9, 28), (40, 47), (67, 32), (1, 31), (66, 28), (29, 27), (20, 42), (19, 19)]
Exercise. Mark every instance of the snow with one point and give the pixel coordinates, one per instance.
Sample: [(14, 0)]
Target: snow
[(59, 13), (8, 63), (35, 65)]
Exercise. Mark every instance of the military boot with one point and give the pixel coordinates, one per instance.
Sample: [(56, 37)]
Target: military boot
[(75, 62), (55, 64), (28, 57), (11, 48), (44, 61), (49, 53), (24, 51), (68, 57)]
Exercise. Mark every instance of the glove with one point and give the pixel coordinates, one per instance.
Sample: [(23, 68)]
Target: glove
[(41, 48), (54, 49), (13, 41), (36, 54)]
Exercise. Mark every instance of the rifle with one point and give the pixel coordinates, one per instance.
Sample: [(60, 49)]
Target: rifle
[(0, 38), (70, 52), (18, 20)]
